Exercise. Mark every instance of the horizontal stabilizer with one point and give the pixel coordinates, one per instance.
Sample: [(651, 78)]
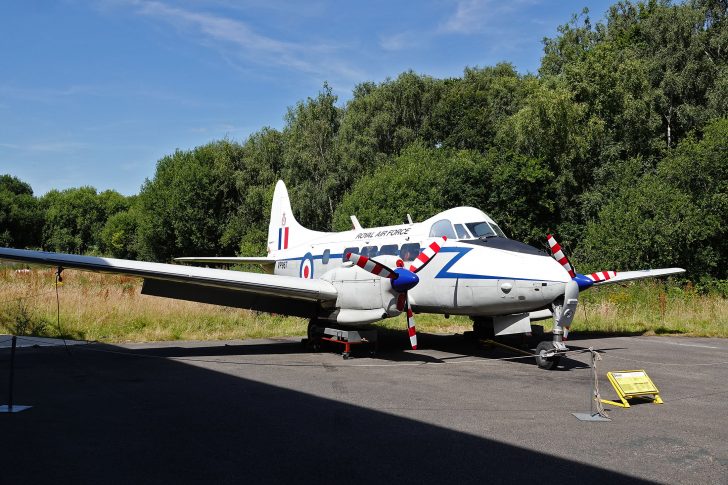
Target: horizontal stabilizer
[(227, 260)]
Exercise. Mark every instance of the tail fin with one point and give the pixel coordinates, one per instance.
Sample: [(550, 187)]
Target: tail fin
[(284, 231)]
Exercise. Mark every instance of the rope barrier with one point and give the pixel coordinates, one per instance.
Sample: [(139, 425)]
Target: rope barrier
[(596, 398)]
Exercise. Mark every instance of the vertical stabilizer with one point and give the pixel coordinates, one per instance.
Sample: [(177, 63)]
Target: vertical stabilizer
[(284, 231)]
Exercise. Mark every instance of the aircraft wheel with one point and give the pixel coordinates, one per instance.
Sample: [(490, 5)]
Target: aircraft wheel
[(313, 335), (547, 363), (345, 355), (483, 328)]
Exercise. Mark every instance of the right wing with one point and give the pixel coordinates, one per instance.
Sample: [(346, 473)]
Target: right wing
[(605, 277), (286, 295)]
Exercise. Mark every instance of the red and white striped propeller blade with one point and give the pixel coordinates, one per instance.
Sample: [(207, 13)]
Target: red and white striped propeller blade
[(600, 276), (404, 306), (370, 265), (411, 324), (427, 255), (559, 255)]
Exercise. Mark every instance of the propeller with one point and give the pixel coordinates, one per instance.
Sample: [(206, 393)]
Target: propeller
[(583, 281), (402, 279)]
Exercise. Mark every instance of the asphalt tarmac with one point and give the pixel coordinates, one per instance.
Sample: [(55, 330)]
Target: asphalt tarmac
[(270, 411)]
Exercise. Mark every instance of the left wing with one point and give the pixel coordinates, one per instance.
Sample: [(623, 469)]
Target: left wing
[(286, 295)]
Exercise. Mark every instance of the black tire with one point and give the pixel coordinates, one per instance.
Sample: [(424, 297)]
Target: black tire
[(483, 328), (547, 363)]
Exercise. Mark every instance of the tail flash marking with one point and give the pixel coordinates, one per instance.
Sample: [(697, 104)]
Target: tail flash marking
[(282, 238)]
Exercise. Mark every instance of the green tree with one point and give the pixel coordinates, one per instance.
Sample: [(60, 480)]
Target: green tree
[(559, 132), (650, 225), (256, 173), (312, 162), (75, 217), (185, 209), (118, 235), (470, 110), (20, 216), (513, 189), (382, 119)]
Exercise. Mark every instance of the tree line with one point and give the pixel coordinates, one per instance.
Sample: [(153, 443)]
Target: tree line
[(618, 144)]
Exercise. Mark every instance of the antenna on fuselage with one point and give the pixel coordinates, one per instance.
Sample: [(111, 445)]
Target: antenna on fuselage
[(355, 223), (409, 219)]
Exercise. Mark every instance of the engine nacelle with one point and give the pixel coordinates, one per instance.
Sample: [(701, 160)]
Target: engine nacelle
[(360, 292)]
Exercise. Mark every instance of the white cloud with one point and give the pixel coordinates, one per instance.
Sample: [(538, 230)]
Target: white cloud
[(237, 40), (475, 16), (46, 146), (400, 41)]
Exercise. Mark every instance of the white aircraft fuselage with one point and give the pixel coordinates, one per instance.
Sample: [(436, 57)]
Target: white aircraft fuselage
[(472, 275)]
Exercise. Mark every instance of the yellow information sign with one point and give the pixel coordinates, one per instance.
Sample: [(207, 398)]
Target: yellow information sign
[(632, 384)]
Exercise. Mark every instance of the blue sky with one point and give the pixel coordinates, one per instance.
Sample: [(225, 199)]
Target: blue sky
[(95, 92)]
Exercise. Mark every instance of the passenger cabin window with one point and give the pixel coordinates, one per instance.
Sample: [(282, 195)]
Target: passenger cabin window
[(347, 251), (442, 228), (325, 258), (389, 249), (462, 232), (481, 229), (409, 251), (369, 251)]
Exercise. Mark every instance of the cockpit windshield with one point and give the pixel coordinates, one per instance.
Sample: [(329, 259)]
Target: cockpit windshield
[(483, 229)]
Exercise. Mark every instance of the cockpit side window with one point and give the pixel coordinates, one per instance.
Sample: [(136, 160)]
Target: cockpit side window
[(462, 232), (442, 228), (480, 229), (498, 230)]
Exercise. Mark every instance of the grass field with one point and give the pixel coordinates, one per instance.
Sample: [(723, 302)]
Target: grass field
[(110, 308)]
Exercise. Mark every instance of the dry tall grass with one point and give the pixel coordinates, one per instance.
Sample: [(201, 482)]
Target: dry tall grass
[(110, 308)]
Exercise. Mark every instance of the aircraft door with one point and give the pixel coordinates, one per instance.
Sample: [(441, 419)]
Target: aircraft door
[(463, 294)]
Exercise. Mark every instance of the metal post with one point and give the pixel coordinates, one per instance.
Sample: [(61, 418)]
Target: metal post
[(11, 407), (12, 374)]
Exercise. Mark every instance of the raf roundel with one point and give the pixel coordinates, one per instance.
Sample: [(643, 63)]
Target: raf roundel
[(306, 271)]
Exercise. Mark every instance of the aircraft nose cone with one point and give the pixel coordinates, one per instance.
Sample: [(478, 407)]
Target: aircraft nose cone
[(406, 280)]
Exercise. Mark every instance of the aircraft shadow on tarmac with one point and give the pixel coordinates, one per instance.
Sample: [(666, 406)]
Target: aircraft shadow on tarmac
[(393, 346), (101, 417)]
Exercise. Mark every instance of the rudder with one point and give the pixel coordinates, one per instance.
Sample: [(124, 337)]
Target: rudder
[(284, 231)]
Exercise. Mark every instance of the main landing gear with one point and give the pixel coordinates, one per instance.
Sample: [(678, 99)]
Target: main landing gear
[(563, 308), (547, 356), (318, 335)]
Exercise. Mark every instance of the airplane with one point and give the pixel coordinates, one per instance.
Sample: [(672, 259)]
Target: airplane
[(457, 262)]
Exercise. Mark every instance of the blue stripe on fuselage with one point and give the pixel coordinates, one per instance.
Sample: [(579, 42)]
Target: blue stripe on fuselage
[(460, 252), (444, 272)]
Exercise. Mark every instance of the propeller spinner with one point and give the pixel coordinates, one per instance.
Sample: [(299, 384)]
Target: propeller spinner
[(402, 279)]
